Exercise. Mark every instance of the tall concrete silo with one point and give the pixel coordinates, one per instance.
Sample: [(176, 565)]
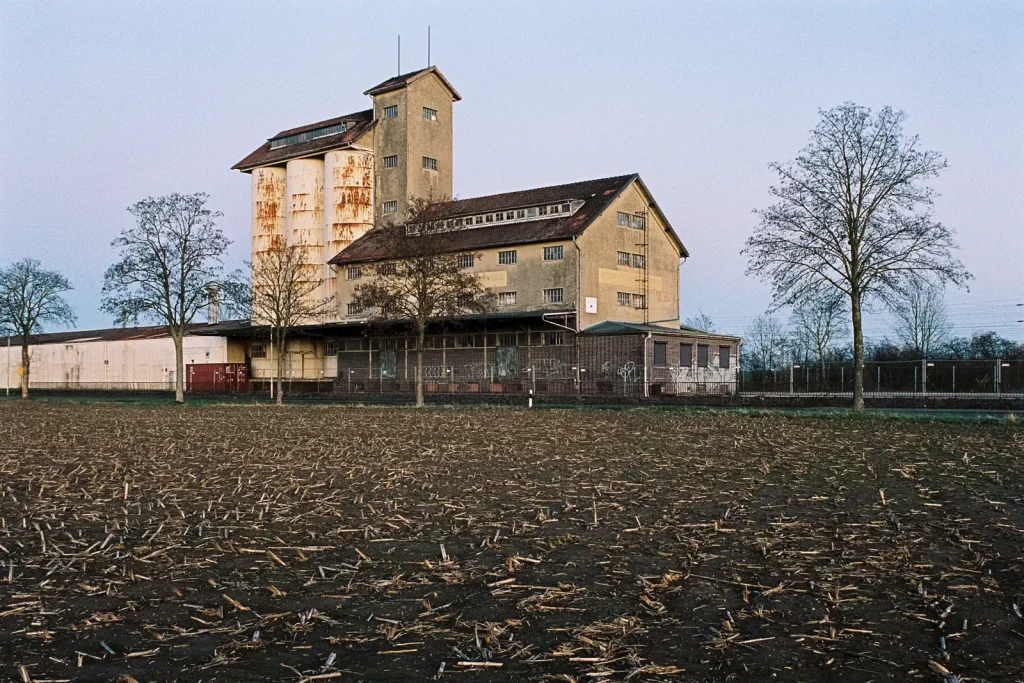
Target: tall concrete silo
[(268, 210), (305, 215), (348, 203)]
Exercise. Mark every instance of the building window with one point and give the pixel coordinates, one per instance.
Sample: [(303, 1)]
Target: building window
[(390, 207), (354, 272), (354, 309), (478, 220), (623, 219), (554, 338), (391, 112), (508, 339), (553, 253), (553, 208), (622, 298), (465, 260), (463, 341), (531, 212), (623, 258), (565, 208), (639, 301), (506, 298), (553, 296), (258, 351), (490, 218), (510, 215), (542, 210), (638, 222), (638, 260), (355, 345), (506, 258), (391, 161), (702, 355), (387, 269), (686, 355), (521, 213), (429, 164), (330, 348), (723, 357), (429, 114), (660, 354)]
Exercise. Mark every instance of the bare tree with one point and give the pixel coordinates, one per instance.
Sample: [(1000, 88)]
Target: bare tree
[(764, 343), (421, 282), (169, 261), (702, 321), (853, 216), (285, 294), (921, 323), (818, 321), (29, 297)]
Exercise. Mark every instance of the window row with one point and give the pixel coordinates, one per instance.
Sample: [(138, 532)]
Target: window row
[(513, 215), (628, 299), (627, 220), (505, 258), (686, 355), (627, 259), (308, 135), (428, 113), (553, 295)]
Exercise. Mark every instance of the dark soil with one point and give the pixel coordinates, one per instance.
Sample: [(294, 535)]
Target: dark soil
[(323, 543)]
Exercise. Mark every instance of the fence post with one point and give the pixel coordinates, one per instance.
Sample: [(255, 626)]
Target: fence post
[(924, 376), (954, 379), (998, 375), (878, 379), (790, 379)]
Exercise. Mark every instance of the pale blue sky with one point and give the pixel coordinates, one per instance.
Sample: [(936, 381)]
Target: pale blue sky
[(102, 104)]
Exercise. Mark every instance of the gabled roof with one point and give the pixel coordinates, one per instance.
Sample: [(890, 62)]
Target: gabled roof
[(358, 123), (612, 327), (596, 195), (403, 80)]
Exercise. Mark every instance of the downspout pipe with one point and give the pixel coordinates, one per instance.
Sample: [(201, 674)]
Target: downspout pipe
[(647, 343)]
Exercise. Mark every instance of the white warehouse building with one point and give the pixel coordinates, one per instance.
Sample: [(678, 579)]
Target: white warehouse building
[(133, 358)]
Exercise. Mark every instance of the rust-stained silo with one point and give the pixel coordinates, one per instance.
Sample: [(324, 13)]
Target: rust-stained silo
[(305, 214), (348, 202), (268, 210)]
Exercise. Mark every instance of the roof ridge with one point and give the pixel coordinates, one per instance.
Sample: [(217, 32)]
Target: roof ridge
[(630, 176), (324, 123)]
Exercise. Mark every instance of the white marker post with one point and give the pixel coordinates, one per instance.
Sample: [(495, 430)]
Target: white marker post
[(529, 401)]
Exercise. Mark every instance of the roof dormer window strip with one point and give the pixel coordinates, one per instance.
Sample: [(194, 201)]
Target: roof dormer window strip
[(308, 135), (506, 216)]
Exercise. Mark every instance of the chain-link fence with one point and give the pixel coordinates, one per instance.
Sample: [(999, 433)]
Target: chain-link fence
[(891, 378)]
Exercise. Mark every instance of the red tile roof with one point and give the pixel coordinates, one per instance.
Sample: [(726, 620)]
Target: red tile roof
[(359, 123), (596, 195), (397, 82)]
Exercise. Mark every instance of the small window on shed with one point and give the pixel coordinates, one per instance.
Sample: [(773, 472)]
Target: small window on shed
[(258, 351), (686, 355), (702, 355), (330, 348), (660, 354), (723, 356)]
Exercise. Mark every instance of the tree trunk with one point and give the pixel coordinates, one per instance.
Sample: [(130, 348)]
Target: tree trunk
[(280, 370), (858, 353), (26, 363), (179, 367), (419, 368)]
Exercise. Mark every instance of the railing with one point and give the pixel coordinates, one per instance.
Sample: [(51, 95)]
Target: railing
[(961, 378)]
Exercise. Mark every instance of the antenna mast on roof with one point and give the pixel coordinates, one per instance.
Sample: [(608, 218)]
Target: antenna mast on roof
[(428, 46), (399, 54)]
